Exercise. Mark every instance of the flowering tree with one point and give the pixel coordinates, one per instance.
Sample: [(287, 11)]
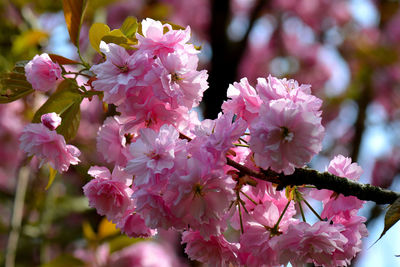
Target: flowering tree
[(236, 187)]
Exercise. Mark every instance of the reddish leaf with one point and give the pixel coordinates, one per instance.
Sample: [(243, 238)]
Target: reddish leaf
[(73, 12), (62, 60)]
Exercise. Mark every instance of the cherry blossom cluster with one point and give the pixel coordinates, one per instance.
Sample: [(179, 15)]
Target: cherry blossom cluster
[(42, 141), (171, 170)]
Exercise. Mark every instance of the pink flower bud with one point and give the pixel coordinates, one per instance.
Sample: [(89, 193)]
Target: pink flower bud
[(51, 120)]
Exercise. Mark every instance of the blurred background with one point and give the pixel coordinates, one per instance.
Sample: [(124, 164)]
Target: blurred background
[(348, 50)]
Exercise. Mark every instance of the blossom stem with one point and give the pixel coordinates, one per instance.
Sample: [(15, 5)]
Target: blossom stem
[(312, 209), (240, 219), (243, 145), (280, 217), (249, 198), (302, 211)]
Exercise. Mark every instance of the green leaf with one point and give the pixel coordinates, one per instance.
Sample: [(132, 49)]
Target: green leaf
[(64, 260), (129, 27), (71, 119), (13, 85), (27, 40), (73, 13), (96, 33), (88, 231), (174, 26), (121, 242), (65, 102), (52, 176), (70, 204), (392, 216)]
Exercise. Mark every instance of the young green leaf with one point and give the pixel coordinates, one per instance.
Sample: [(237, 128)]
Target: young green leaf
[(65, 102), (96, 33), (64, 260), (52, 176), (13, 85), (129, 27)]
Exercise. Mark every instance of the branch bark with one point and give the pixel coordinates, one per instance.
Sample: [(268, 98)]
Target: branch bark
[(322, 180)]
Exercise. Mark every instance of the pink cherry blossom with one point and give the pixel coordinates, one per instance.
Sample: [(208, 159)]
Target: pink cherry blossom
[(199, 197), (175, 80), (214, 139), (155, 41), (244, 102), (48, 146), (274, 88), (42, 73), (152, 207), (354, 231), (94, 257), (119, 73), (154, 153), (133, 225), (259, 231), (111, 142), (144, 254), (146, 111), (342, 166), (216, 251), (51, 120), (285, 136), (110, 197), (303, 243), (336, 203)]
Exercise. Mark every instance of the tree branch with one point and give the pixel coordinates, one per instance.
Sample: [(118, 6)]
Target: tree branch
[(322, 180)]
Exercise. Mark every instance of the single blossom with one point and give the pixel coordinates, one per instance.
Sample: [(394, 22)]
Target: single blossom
[(132, 224), (274, 88), (154, 153), (156, 42), (112, 142), (42, 73), (304, 243), (174, 79), (244, 100), (110, 197), (120, 73), (216, 251), (285, 135), (199, 197)]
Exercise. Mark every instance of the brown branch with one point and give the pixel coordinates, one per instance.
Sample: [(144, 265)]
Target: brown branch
[(322, 180)]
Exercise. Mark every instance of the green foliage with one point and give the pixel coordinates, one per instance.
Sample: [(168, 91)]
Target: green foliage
[(64, 260), (13, 85), (125, 36), (121, 242), (66, 103), (129, 27), (52, 176)]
